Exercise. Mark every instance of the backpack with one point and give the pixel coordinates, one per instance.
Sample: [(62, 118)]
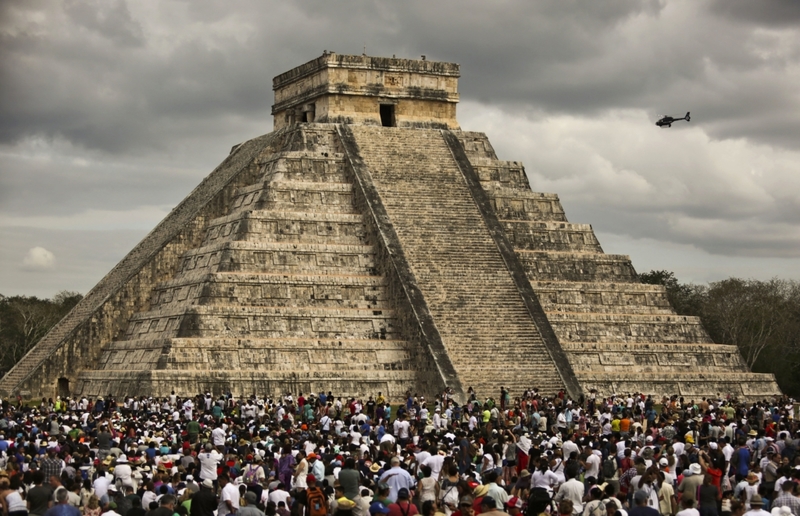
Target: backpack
[(316, 502), (251, 474), (609, 468), (599, 509)]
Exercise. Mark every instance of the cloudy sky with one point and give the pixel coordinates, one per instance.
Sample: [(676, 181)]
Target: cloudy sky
[(111, 111)]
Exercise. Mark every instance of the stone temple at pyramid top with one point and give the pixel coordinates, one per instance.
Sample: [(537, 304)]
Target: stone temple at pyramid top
[(351, 89)]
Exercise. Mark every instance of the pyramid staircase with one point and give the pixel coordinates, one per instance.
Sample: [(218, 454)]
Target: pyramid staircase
[(484, 324)]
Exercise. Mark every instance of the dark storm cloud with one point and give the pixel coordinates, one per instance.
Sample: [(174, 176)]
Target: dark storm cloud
[(86, 71), (770, 12), (122, 107)]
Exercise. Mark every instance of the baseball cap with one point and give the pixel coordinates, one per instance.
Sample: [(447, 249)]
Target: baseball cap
[(378, 508), (514, 502)]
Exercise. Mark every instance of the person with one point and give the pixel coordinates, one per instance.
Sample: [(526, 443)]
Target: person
[(427, 487), (756, 507), (39, 496), (62, 506), (395, 477), (314, 499), (228, 497), (11, 499), (750, 489), (571, 490), (667, 503), (300, 471), (136, 507), (595, 506), (565, 508), (93, 508), (428, 508), (489, 507), (249, 508), (495, 491), (690, 483), (403, 505), (640, 508), (707, 495), (51, 464), (514, 506), (687, 508), (787, 499), (465, 507), (204, 502), (208, 463), (123, 472), (278, 494), (166, 506)]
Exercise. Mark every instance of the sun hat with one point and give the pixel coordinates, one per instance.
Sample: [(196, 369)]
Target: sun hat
[(480, 491)]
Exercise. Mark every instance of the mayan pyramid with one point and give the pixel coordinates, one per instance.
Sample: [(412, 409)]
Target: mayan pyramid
[(368, 244)]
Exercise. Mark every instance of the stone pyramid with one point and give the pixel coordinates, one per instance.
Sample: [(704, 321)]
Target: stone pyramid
[(369, 245)]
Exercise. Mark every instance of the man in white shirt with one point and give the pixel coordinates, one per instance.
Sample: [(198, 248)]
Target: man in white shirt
[(209, 460), (228, 497), (568, 447), (571, 490), (593, 464), (218, 436), (473, 422), (123, 472), (279, 495), (100, 484), (401, 427), (397, 478), (435, 462)]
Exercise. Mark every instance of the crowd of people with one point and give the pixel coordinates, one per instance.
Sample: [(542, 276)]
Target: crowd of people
[(320, 454)]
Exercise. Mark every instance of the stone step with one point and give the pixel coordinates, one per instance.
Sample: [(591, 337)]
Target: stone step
[(283, 354), (344, 382), (654, 357), (572, 266), (280, 257), (261, 322), (246, 289), (630, 298), (742, 385), (476, 145), (551, 236), (518, 204), (284, 226), (583, 327), (307, 197)]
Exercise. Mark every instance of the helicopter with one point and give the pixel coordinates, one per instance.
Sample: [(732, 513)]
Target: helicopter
[(667, 120)]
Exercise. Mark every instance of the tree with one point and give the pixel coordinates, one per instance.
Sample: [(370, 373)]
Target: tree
[(685, 298), (754, 315), (25, 320)]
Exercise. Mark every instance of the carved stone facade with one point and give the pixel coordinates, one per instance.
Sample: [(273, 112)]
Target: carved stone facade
[(369, 245)]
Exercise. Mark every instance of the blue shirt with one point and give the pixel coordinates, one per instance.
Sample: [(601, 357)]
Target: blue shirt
[(62, 509)]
